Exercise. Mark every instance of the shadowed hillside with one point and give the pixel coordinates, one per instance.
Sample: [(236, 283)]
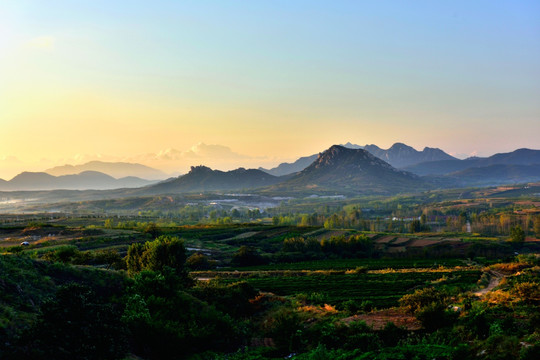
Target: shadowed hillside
[(202, 178), (351, 171)]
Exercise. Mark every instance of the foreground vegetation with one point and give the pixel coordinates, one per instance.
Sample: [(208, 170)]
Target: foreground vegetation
[(152, 286)]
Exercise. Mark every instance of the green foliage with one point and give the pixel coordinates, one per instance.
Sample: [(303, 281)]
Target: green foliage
[(435, 315), (368, 263), (517, 235), (530, 352), (383, 290), (422, 298), (527, 291), (165, 318), (352, 246), (353, 306), (75, 324), (108, 224), (134, 258), (62, 254), (536, 226), (198, 261), (412, 351), (109, 257), (166, 322), (247, 256), (500, 347), (156, 255), (152, 229), (285, 327), (429, 305), (233, 299)]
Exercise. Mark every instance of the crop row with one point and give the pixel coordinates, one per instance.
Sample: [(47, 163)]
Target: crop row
[(371, 264), (382, 289)]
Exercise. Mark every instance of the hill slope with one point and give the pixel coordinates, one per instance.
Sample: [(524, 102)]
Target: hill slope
[(498, 174), (202, 178), (517, 157), (344, 170)]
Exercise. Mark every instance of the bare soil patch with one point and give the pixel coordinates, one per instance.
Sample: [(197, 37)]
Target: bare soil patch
[(379, 319), (424, 242), (401, 240), (385, 239)]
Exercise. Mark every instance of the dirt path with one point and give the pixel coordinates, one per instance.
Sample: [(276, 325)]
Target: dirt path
[(496, 278)]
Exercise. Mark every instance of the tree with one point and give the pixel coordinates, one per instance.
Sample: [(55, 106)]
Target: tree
[(109, 257), (152, 229), (134, 258), (165, 251), (537, 226), (415, 226), (246, 256), (517, 234), (198, 261), (109, 224)]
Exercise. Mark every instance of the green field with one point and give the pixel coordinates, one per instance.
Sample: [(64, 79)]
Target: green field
[(371, 264), (383, 290)]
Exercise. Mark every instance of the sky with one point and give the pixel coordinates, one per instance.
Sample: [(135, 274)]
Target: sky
[(233, 83)]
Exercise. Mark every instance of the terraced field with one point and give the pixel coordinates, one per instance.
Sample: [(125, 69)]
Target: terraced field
[(382, 289), (371, 264)]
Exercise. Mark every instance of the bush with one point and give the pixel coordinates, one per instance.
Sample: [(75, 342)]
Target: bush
[(247, 256), (422, 298), (63, 254), (198, 261), (435, 316)]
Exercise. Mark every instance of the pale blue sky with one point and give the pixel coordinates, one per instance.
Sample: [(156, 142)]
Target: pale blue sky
[(268, 78)]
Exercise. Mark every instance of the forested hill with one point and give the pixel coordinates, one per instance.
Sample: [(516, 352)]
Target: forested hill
[(202, 178), (352, 171)]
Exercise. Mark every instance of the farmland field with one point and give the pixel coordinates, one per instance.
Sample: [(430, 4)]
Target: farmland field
[(382, 289), (371, 264)]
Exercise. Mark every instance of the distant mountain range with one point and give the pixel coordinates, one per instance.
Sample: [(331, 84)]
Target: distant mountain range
[(31, 181), (346, 170), (498, 174), (444, 167), (114, 169), (399, 156), (349, 168), (290, 168)]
